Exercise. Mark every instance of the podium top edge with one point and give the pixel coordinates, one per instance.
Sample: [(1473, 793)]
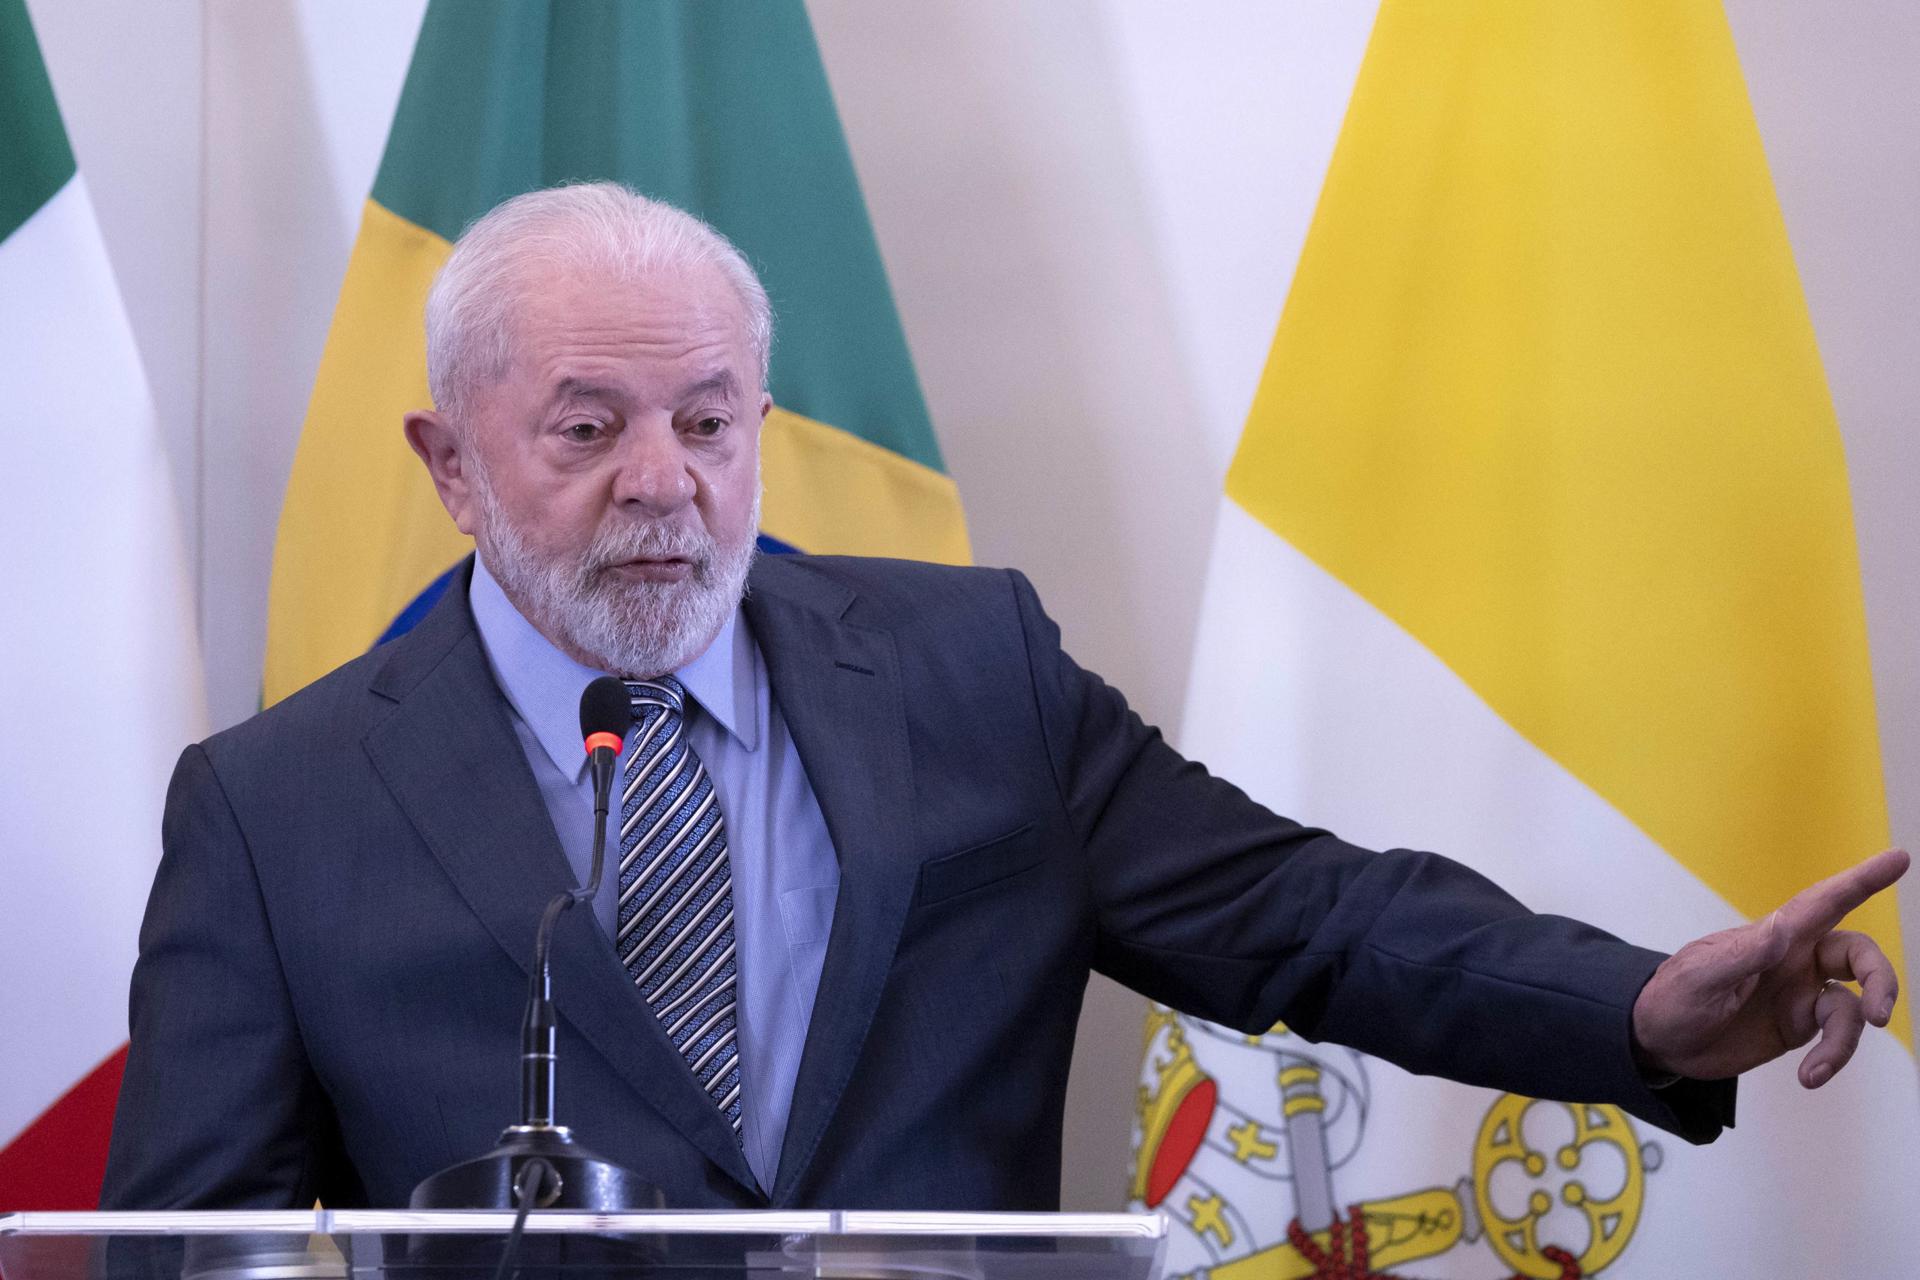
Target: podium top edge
[(692, 1222)]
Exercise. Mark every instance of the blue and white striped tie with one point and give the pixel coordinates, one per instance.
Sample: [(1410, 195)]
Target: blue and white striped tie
[(676, 893)]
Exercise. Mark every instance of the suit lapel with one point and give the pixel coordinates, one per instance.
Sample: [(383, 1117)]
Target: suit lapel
[(838, 687), (449, 755)]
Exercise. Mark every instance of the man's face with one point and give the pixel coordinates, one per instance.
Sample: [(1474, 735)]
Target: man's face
[(614, 469)]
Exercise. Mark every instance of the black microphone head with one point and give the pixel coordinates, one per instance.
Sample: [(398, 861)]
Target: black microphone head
[(606, 707)]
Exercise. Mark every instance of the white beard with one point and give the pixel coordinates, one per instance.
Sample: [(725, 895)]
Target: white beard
[(636, 630)]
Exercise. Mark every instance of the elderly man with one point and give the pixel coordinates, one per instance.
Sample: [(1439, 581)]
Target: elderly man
[(875, 828)]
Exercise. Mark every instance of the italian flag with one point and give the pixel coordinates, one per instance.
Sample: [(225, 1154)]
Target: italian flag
[(721, 109), (97, 636), (1538, 550)]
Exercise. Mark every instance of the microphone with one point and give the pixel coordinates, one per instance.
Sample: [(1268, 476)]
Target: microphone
[(537, 1163), (606, 713)]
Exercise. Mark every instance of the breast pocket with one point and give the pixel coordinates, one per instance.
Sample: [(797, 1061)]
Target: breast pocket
[(1001, 858)]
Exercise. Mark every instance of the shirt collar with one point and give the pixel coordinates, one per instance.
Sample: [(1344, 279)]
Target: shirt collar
[(543, 684)]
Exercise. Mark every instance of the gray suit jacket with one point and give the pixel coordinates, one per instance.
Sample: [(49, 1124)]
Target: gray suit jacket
[(332, 967)]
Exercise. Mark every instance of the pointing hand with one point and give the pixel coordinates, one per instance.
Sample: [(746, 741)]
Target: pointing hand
[(1735, 999)]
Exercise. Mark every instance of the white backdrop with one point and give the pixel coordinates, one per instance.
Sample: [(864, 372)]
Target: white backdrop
[(1090, 211)]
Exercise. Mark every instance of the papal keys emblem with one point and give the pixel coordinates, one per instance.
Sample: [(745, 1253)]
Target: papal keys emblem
[(1240, 1141)]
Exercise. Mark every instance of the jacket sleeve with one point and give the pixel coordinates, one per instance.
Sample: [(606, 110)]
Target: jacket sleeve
[(1210, 903), (218, 1108)]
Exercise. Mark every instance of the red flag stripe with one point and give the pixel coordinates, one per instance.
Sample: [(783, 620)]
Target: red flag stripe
[(58, 1161)]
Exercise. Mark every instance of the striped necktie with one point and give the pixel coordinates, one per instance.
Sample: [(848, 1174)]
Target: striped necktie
[(676, 893)]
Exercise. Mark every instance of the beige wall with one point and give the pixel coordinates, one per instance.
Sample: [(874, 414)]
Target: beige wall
[(1089, 211)]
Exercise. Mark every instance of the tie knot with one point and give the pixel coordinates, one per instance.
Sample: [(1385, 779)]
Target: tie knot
[(665, 692)]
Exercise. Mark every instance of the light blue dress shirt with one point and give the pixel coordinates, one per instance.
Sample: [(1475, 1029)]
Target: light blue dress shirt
[(785, 876)]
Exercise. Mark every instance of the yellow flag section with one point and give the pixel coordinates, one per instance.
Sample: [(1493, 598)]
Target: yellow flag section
[(1546, 392), (884, 504), (362, 532), (1538, 551)]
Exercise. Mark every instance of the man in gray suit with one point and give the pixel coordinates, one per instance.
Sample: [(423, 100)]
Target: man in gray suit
[(874, 830)]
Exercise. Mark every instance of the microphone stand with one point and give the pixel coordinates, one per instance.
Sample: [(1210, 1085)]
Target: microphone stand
[(537, 1163), (538, 1028)]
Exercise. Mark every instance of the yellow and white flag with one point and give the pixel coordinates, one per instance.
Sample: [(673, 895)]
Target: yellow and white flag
[(1537, 550)]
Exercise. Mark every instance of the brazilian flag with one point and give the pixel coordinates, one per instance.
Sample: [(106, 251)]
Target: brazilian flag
[(718, 106)]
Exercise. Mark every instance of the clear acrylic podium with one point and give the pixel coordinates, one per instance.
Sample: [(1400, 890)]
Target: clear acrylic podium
[(376, 1244)]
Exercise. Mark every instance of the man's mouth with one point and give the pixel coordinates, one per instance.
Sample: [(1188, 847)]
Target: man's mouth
[(653, 569)]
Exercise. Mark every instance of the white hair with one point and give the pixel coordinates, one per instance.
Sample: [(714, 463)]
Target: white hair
[(604, 228)]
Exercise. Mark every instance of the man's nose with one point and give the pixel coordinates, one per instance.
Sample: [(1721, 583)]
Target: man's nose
[(652, 471)]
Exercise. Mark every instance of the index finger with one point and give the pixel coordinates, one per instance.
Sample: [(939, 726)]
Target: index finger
[(1816, 909)]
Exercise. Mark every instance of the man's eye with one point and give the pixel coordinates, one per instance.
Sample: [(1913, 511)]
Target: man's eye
[(709, 426), (581, 431)]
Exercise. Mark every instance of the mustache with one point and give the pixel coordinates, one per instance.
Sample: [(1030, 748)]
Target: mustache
[(621, 543)]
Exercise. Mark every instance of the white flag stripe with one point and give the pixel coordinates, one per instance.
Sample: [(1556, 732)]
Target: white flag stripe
[(98, 623)]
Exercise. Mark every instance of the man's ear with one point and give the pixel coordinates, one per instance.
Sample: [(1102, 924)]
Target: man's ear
[(766, 405), (443, 448)]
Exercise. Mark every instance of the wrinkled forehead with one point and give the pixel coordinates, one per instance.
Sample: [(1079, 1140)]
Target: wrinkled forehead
[(614, 302)]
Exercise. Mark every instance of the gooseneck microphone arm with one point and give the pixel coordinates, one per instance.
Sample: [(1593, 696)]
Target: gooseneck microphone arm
[(537, 1164), (606, 710)]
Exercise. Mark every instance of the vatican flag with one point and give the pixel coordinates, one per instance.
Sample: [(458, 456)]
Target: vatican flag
[(1537, 550)]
